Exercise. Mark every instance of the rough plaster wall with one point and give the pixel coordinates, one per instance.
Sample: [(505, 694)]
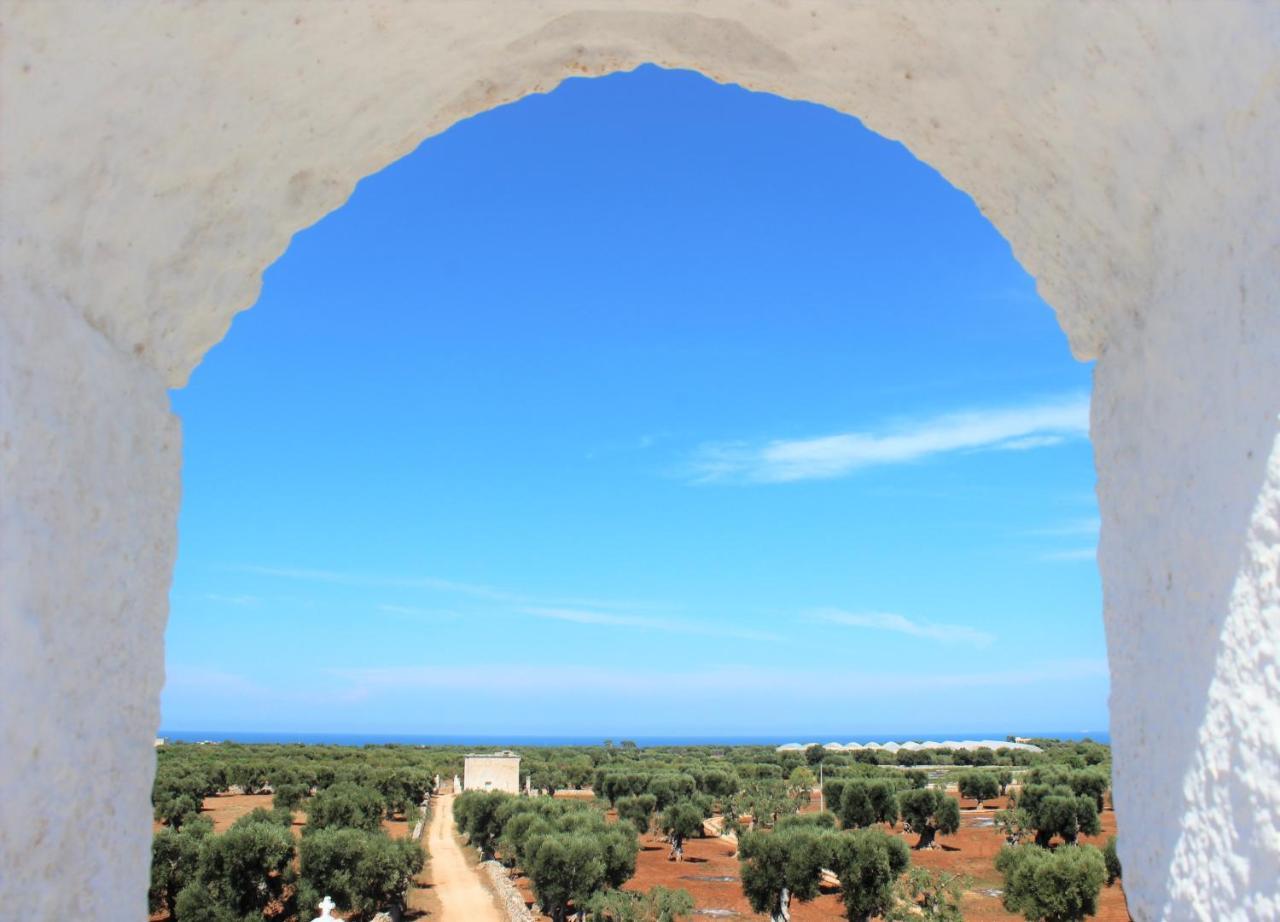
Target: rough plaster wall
[(157, 157), (89, 458)]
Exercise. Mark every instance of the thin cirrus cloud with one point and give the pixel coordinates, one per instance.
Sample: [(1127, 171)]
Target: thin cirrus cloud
[(1071, 555), (607, 613), (900, 624), (1051, 421), (731, 680), (477, 591), (669, 625)]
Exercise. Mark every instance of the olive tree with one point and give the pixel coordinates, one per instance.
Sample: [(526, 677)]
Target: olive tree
[(288, 796), (362, 871), (680, 821), (669, 787), (175, 860), (476, 814), (638, 810), (787, 864), (1058, 811), (240, 872), (930, 812), (347, 805), (566, 868), (1061, 885), (868, 863), (979, 786), (863, 803)]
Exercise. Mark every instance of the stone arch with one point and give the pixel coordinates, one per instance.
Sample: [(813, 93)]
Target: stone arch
[(158, 158)]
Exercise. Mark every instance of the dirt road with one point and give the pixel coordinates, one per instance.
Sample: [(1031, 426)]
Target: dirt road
[(463, 898)]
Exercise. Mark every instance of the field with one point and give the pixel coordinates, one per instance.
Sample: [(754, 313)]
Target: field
[(710, 872), (224, 809), (216, 807)]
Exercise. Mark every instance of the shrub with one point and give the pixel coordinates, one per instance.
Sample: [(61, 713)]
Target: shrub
[(360, 870), (345, 805), (1052, 886)]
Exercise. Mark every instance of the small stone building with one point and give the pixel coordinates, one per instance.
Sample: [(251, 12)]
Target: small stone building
[(492, 771)]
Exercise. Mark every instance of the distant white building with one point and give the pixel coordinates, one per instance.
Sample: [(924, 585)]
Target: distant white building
[(491, 771)]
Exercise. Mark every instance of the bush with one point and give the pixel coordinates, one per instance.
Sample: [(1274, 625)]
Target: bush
[(240, 873), (658, 905), (1111, 858), (175, 862), (863, 803), (638, 810), (1052, 886), (1058, 811), (360, 870), (868, 863), (345, 805)]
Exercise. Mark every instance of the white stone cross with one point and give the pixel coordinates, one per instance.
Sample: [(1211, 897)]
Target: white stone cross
[(326, 907)]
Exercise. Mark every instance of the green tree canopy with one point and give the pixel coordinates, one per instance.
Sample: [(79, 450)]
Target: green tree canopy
[(175, 861), (240, 872), (1058, 811), (979, 786), (361, 871), (868, 863), (1112, 860), (786, 864), (638, 810), (656, 905), (345, 805), (476, 813), (679, 822), (864, 803), (930, 812), (1051, 886)]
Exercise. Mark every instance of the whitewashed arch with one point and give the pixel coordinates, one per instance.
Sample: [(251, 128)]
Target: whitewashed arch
[(157, 157)]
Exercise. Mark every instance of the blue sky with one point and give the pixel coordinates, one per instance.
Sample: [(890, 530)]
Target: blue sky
[(647, 406)]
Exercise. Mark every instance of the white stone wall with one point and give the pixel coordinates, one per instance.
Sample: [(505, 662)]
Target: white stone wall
[(491, 773), (155, 158)]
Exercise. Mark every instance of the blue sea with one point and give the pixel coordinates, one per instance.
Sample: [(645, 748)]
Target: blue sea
[(422, 739)]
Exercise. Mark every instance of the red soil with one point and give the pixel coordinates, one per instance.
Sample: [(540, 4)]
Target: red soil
[(970, 852)]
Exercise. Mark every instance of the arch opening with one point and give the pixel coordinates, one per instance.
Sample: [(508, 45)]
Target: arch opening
[(1142, 204), (738, 264)]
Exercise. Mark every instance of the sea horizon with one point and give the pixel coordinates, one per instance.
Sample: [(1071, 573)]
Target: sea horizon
[(375, 738)]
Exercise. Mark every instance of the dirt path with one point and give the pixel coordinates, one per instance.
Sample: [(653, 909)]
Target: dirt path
[(463, 898)]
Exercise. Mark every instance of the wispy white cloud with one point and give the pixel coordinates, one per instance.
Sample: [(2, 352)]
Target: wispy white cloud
[(1076, 528), (669, 625), (1036, 425), (346, 578), (887, 621), (729, 681), (233, 599), (1071, 554), (478, 591), (414, 611), (612, 613)]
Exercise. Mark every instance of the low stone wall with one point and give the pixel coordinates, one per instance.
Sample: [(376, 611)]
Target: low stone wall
[(508, 895)]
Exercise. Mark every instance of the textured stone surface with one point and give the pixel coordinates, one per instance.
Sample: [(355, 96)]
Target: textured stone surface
[(506, 891), (157, 157)]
